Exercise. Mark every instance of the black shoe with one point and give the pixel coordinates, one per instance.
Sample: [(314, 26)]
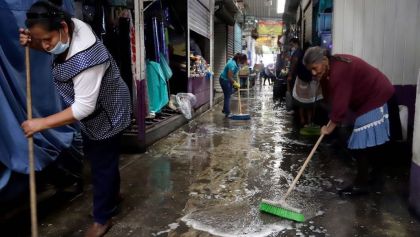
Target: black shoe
[(354, 190)]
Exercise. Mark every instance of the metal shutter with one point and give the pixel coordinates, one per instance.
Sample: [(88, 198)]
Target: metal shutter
[(199, 17), (230, 41), (238, 39), (219, 53)]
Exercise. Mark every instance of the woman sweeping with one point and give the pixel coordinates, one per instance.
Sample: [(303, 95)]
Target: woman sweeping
[(87, 78), (353, 84), (227, 81)]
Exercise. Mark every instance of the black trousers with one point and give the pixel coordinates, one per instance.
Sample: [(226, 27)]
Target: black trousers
[(103, 156)]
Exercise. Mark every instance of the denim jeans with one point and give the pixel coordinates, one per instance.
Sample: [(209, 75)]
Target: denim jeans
[(227, 92)]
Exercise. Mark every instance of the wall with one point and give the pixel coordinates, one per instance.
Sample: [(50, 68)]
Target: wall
[(307, 21), (386, 33), (415, 167), (238, 39), (219, 53)]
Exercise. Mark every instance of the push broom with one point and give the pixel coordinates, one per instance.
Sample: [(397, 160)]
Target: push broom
[(240, 116), (32, 187), (281, 208)]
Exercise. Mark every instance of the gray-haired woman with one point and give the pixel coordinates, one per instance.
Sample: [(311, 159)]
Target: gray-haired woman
[(349, 83)]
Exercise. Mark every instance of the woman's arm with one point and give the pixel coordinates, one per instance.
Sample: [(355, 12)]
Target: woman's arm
[(26, 40), (230, 76), (86, 87), (328, 129), (56, 120)]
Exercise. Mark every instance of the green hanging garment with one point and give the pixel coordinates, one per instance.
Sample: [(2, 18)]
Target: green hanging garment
[(156, 87)]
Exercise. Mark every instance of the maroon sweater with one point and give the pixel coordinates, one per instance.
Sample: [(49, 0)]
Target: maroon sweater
[(357, 86)]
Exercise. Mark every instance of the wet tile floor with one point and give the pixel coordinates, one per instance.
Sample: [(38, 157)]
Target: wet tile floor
[(207, 179)]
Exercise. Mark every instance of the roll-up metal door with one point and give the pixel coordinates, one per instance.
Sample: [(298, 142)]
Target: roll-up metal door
[(238, 39), (219, 53), (199, 17), (230, 41)]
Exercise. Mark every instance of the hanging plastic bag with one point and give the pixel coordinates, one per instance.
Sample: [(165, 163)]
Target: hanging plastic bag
[(167, 72), (186, 102)]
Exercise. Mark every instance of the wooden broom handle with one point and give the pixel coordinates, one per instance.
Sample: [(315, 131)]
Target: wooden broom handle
[(239, 101), (304, 164), (32, 187)]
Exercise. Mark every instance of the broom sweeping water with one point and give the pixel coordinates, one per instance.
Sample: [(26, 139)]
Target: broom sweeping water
[(281, 208), (32, 187), (240, 116)]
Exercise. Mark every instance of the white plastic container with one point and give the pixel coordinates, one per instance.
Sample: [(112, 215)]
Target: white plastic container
[(404, 120), (416, 132)]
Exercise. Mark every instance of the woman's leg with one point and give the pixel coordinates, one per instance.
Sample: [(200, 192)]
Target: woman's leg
[(360, 183), (104, 161), (302, 116), (309, 115), (227, 92)]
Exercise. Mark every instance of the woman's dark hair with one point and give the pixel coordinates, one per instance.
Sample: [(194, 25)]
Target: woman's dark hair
[(49, 15), (240, 57)]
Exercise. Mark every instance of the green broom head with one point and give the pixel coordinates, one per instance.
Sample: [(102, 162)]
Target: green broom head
[(310, 131), (281, 209)]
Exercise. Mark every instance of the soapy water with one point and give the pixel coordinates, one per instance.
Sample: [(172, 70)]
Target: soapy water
[(227, 204), (229, 221), (172, 226)]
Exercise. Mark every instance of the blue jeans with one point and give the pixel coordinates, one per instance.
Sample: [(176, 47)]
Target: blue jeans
[(227, 92)]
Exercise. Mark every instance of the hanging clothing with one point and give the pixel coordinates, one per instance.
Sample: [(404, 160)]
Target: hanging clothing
[(13, 144), (156, 87)]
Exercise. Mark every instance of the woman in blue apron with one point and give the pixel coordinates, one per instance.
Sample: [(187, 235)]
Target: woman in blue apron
[(350, 83), (96, 97)]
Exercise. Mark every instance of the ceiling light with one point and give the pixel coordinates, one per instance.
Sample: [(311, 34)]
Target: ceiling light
[(280, 6)]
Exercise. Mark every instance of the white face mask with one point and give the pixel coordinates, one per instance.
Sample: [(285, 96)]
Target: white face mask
[(60, 47)]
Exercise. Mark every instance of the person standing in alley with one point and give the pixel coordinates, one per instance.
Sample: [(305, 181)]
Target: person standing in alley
[(296, 55), (88, 80), (353, 84), (227, 79), (306, 92)]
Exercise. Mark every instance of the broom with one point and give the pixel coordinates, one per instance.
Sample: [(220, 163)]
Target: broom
[(32, 187), (281, 208), (240, 116)]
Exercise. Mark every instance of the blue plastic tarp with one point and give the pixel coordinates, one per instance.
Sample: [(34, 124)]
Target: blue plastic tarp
[(45, 101)]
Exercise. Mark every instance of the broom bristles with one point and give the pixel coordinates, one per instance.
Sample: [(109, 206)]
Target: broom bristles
[(281, 209)]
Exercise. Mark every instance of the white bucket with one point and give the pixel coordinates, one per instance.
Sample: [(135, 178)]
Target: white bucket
[(416, 132)]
